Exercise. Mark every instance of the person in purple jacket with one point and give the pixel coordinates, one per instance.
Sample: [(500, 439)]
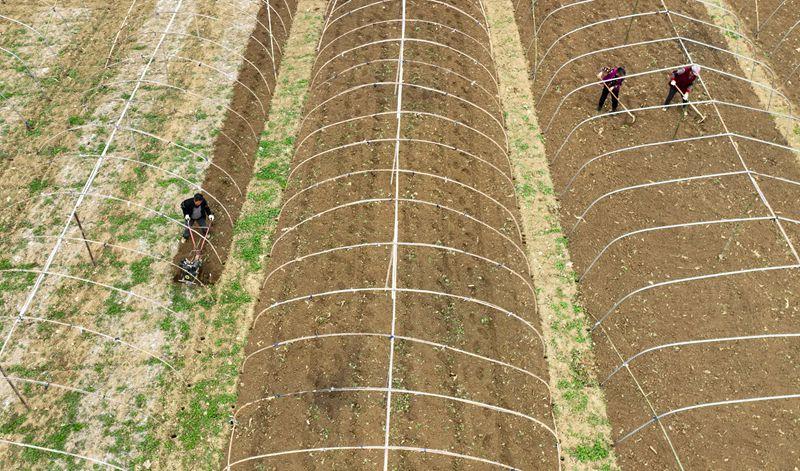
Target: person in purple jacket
[(612, 79)]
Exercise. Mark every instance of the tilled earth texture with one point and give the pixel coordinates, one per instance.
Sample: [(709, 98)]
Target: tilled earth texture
[(397, 326), (683, 234), (775, 27)]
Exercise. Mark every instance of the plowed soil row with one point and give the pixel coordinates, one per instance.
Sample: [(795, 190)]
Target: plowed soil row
[(652, 285), (419, 167), (235, 146), (776, 29)]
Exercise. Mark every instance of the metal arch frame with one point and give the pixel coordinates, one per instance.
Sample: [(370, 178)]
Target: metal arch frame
[(378, 140), (397, 40), (89, 181), (270, 52), (360, 172), (433, 451), (412, 20), (215, 43), (764, 23), (704, 405), (472, 82), (383, 140), (48, 43), (24, 64), (168, 172), (129, 203), (442, 247), (591, 25), (699, 342), (228, 76), (429, 343), (380, 2), (673, 105), (395, 84), (652, 184), (468, 299), (385, 200), (654, 41), (116, 339), (687, 279), (194, 94), (492, 407), (667, 227), (620, 150), (117, 246), (783, 38), (61, 452), (446, 180)]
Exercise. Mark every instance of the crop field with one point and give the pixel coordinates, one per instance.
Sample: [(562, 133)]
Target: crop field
[(683, 234), (430, 250), (397, 325)]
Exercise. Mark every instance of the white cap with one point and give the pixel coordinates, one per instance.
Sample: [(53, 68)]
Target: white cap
[(696, 69)]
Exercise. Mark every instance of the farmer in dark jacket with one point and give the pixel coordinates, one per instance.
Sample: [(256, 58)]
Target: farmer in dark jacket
[(612, 79), (196, 210), (681, 80)]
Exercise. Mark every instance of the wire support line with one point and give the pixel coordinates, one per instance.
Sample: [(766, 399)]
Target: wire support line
[(290, 229), (412, 392), (442, 247), (426, 42), (61, 452), (414, 173), (284, 343), (659, 417), (412, 449), (667, 227), (88, 184), (689, 279), (698, 342), (480, 302), (48, 384)]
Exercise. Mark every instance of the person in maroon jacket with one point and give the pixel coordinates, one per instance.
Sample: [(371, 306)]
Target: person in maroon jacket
[(681, 80), (612, 79)]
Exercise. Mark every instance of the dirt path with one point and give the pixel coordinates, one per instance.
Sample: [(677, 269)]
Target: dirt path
[(579, 404)]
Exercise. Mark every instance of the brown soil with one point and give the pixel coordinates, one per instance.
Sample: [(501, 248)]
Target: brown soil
[(755, 435), (235, 147), (778, 35), (331, 172)]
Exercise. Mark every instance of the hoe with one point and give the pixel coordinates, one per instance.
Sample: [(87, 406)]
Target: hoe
[(190, 266)]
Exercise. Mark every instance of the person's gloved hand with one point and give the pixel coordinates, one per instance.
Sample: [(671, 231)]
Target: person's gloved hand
[(672, 82), (187, 218), (211, 217), (686, 96)]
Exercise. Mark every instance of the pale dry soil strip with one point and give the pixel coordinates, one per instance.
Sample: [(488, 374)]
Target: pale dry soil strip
[(790, 129), (579, 404), (222, 331)]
